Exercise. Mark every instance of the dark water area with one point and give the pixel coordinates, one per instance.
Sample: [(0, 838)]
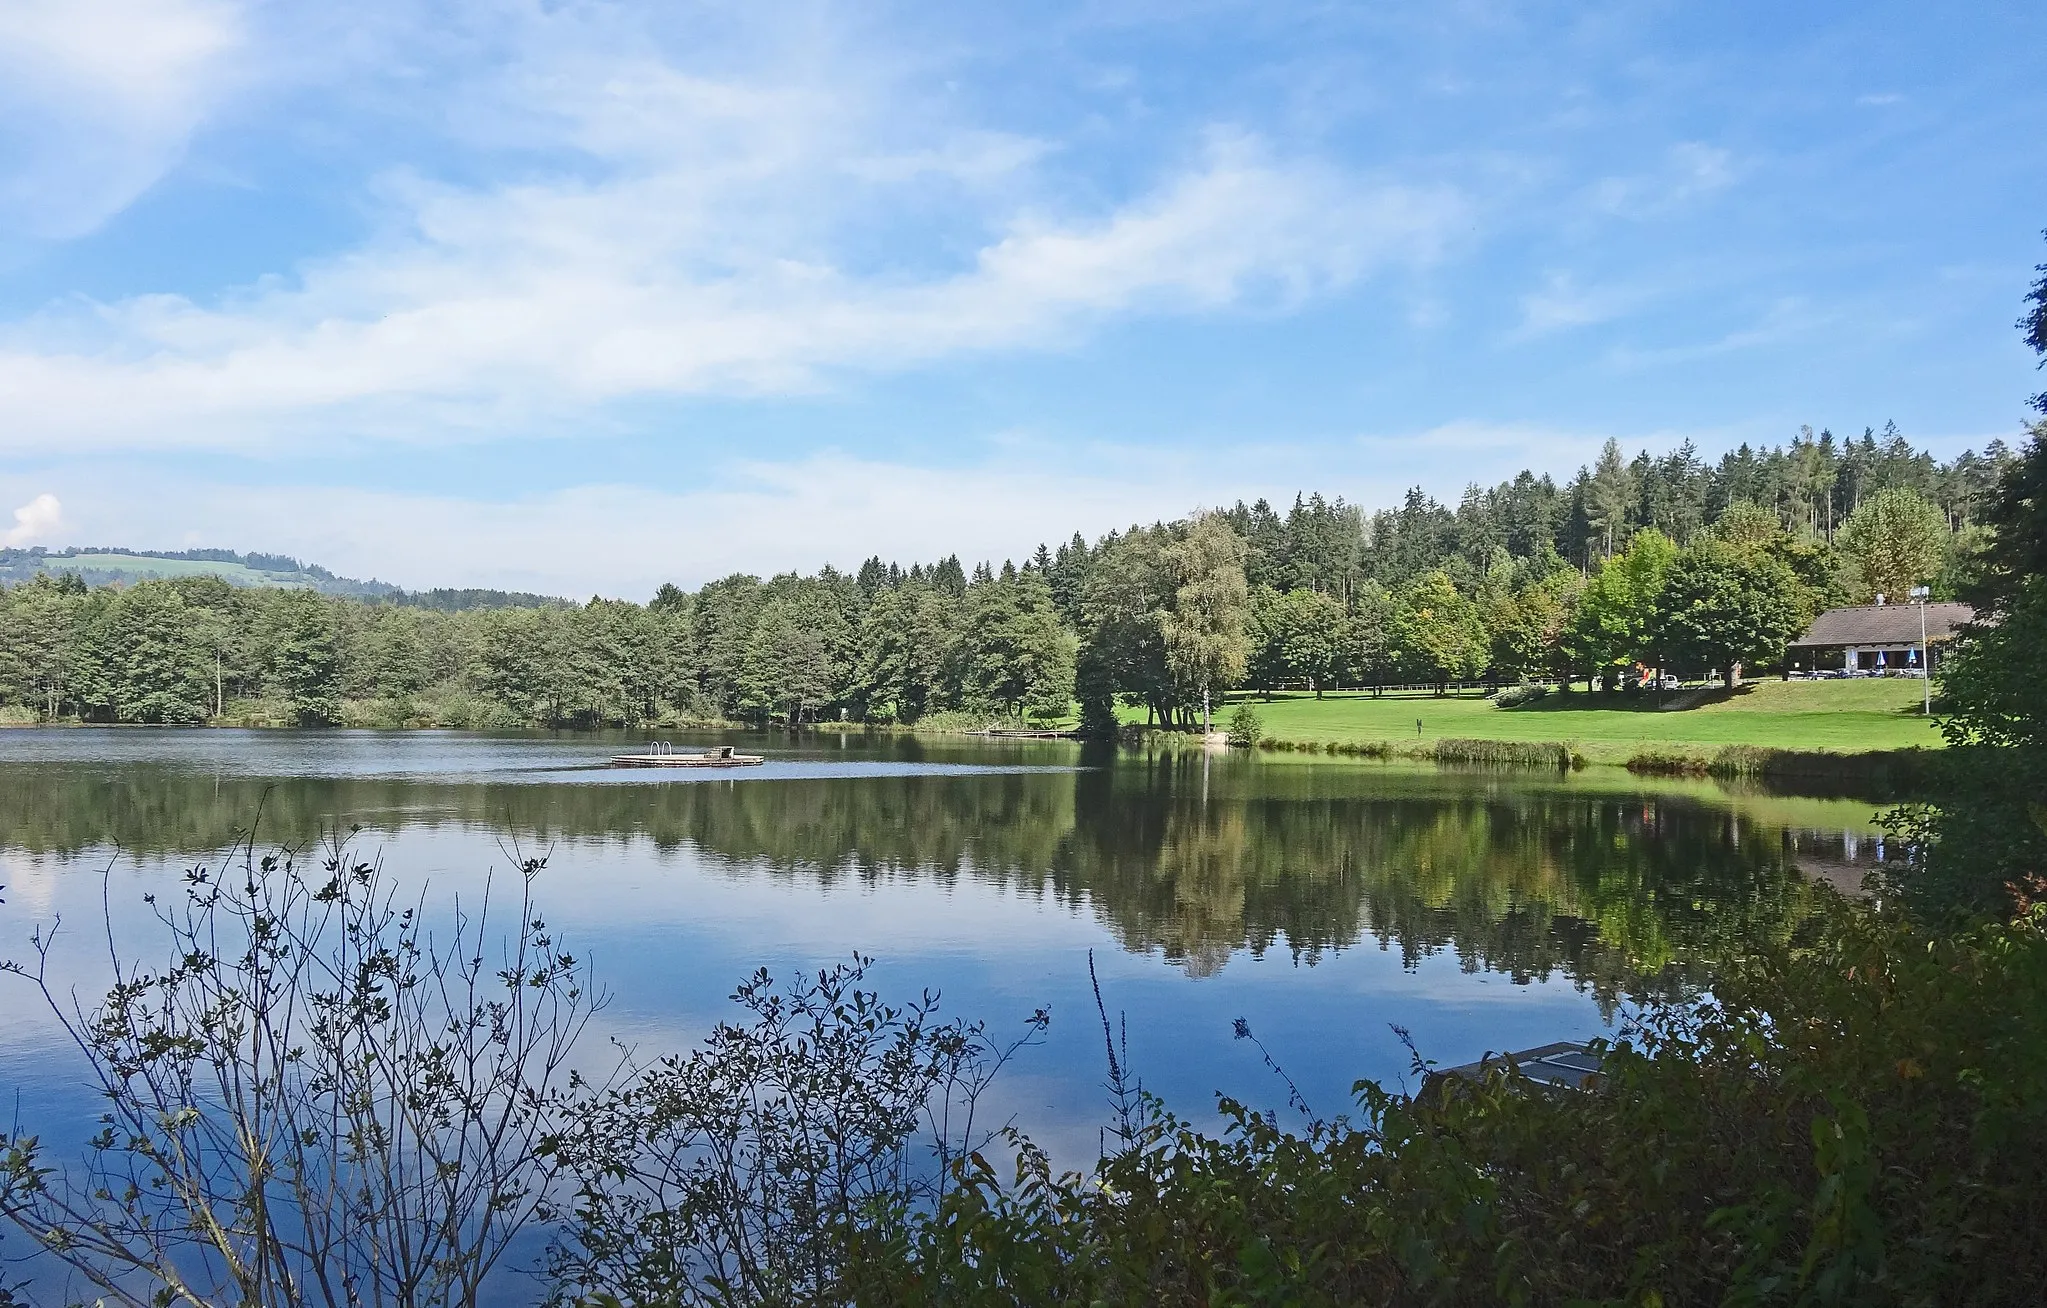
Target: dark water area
[(1323, 901)]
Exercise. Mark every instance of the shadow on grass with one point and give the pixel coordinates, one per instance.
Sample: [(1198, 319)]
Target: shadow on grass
[(1621, 701)]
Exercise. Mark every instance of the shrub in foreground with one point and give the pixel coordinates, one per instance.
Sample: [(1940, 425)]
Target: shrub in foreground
[(1858, 1120), (317, 1097)]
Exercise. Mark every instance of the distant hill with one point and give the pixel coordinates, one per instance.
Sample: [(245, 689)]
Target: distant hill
[(98, 566)]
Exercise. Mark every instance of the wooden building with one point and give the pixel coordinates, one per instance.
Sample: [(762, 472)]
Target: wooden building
[(1876, 637)]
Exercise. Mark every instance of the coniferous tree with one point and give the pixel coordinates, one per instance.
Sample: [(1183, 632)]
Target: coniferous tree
[(1067, 578), (1609, 494), (905, 638), (1013, 651)]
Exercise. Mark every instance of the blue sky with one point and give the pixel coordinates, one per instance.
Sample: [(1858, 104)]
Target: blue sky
[(584, 296)]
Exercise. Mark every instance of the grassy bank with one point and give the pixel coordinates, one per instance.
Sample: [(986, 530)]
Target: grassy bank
[(1807, 717), (1760, 730)]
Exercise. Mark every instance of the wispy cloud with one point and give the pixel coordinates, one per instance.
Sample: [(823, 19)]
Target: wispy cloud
[(1563, 304), (98, 98), (687, 233), (1786, 319), (1689, 171), (758, 517)]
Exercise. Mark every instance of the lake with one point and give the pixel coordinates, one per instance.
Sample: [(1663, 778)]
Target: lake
[(1323, 901)]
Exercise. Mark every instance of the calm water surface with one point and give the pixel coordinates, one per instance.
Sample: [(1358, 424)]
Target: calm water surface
[(1323, 901)]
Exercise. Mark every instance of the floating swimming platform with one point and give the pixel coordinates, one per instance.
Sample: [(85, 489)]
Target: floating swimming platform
[(662, 755)]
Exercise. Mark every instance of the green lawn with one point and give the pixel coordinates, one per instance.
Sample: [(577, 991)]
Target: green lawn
[(143, 566), (1843, 716)]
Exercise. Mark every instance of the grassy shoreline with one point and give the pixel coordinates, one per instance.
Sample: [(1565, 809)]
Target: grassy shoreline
[(1861, 730), (1815, 719)]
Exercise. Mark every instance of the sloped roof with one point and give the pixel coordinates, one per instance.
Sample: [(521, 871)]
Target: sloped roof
[(1885, 624)]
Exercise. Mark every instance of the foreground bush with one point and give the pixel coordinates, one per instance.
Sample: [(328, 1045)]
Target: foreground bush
[(1859, 1120), (317, 1097), (735, 1174)]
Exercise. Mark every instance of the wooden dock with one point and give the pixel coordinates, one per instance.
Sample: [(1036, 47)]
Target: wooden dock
[(1565, 1065), (661, 755)]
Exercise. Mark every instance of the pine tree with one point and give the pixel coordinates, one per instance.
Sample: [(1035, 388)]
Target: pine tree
[(872, 576), (1610, 493)]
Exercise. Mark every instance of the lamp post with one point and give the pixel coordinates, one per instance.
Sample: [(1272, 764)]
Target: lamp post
[(1919, 594)]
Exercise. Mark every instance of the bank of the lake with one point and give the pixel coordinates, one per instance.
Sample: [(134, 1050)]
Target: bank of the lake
[(1808, 717), (1872, 729)]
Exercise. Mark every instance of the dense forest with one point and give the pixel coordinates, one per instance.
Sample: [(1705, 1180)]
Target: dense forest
[(1656, 561)]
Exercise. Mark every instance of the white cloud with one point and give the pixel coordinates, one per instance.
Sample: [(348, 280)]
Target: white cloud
[(677, 231), (34, 521), (98, 99), (1563, 304), (508, 303), (626, 540), (765, 517), (1690, 171)]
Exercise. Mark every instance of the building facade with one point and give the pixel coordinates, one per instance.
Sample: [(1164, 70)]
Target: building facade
[(1878, 637)]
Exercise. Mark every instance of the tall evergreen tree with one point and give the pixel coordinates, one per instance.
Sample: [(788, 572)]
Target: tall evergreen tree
[(1610, 493)]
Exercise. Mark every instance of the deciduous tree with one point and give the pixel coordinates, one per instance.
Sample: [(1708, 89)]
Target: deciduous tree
[(1437, 632), (1895, 541), (1722, 607), (1206, 631), (1615, 622)]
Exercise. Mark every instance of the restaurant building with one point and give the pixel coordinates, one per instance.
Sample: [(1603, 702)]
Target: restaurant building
[(1877, 637)]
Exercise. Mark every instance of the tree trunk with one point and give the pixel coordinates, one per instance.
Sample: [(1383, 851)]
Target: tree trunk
[(1207, 717)]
